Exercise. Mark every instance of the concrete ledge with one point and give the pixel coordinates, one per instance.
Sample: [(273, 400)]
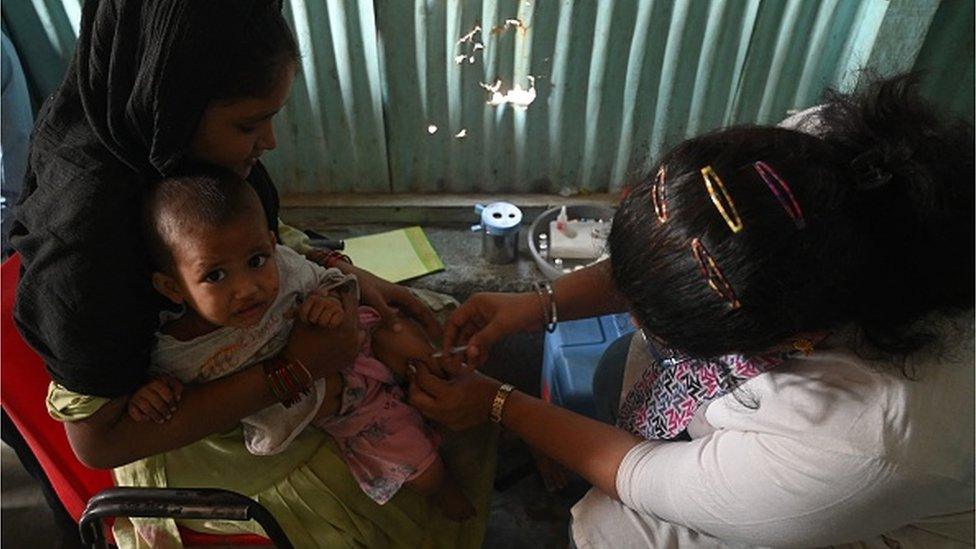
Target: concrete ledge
[(465, 271), (447, 211)]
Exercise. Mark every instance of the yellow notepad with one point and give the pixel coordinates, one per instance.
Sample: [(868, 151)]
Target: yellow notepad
[(394, 255)]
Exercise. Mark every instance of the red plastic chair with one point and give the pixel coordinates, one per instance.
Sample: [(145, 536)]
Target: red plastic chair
[(23, 389)]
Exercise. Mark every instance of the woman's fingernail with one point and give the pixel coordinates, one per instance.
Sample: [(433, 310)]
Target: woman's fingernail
[(397, 327)]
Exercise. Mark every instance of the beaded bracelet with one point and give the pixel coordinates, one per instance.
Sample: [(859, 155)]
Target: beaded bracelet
[(288, 379)]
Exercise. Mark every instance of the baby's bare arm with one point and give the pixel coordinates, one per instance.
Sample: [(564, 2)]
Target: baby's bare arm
[(396, 349)]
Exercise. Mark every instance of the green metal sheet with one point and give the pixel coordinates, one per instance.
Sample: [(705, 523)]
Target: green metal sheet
[(395, 95)]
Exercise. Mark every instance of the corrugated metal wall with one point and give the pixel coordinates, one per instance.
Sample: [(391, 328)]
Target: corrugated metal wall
[(392, 95)]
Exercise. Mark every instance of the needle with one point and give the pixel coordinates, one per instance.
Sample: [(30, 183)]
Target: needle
[(452, 351)]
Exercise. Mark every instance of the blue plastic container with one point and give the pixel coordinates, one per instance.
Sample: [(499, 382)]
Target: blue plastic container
[(570, 356)]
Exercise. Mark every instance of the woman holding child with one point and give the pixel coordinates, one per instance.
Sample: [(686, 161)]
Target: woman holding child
[(803, 370), (156, 87)]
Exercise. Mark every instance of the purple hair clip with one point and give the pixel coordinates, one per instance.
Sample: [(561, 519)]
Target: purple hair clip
[(782, 192)]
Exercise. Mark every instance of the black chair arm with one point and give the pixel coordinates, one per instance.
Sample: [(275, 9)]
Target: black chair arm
[(177, 503)]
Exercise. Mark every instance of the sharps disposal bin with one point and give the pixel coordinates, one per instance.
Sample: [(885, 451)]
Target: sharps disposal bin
[(499, 231)]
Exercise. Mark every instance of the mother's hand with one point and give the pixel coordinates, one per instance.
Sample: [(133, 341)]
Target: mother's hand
[(383, 296), (485, 318), (327, 350), (464, 400)]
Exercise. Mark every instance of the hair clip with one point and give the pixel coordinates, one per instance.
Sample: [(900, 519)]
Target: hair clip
[(803, 346), (731, 215), (713, 275), (782, 192), (659, 195)]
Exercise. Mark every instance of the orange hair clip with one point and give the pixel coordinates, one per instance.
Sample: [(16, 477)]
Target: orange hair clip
[(713, 275)]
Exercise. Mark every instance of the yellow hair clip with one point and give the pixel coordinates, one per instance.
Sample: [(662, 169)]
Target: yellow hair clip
[(731, 215)]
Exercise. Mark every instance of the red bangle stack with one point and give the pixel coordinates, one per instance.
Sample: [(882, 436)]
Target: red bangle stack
[(288, 379)]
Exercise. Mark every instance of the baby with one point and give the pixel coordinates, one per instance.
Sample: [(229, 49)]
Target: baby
[(240, 293)]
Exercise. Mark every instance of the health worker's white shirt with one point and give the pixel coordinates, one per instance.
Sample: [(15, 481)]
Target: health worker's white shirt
[(841, 450)]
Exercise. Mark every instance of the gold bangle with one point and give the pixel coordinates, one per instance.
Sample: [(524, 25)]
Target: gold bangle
[(499, 403)]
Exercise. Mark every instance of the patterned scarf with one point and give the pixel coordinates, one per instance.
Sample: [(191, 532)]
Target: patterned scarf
[(664, 400)]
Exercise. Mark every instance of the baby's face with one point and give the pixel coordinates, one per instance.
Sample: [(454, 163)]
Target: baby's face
[(228, 275)]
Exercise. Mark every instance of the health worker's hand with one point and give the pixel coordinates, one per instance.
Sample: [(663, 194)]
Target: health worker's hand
[(458, 403), (486, 318)]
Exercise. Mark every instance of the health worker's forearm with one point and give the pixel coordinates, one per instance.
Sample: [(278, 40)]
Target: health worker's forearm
[(588, 292)]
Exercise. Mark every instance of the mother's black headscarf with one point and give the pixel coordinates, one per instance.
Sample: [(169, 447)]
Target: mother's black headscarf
[(141, 77)]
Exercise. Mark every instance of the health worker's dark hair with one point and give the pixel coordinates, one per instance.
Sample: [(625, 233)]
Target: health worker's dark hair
[(886, 189)]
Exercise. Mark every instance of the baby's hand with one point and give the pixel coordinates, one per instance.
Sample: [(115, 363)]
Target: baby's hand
[(156, 400), (322, 309)]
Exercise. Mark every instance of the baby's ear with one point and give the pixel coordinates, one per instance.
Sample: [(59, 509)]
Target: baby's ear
[(167, 286), (274, 240)]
